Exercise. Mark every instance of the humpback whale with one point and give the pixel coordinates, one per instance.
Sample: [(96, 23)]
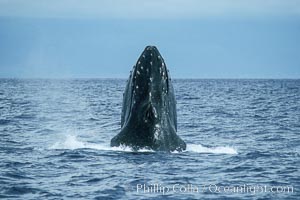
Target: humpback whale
[(149, 118)]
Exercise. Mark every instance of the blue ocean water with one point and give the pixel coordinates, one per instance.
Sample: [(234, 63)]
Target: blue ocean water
[(242, 142)]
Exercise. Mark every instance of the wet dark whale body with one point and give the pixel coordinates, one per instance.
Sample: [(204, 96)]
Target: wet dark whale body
[(149, 118)]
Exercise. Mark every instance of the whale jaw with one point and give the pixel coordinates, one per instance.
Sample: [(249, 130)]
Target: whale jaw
[(149, 118)]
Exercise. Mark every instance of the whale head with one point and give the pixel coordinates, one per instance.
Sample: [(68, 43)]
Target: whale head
[(150, 73), (149, 106), (150, 87)]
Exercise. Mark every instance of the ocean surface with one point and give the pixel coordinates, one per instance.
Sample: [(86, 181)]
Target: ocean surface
[(243, 141)]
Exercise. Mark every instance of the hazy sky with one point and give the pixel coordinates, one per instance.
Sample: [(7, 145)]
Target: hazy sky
[(104, 38)]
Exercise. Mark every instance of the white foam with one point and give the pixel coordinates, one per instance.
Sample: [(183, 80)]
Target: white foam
[(72, 142), (198, 148)]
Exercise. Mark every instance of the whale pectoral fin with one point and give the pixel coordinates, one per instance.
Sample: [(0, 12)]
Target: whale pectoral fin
[(168, 140), (181, 145), (115, 142), (123, 138)]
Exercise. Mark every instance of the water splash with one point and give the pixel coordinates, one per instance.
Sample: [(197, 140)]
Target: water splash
[(72, 142), (198, 148)]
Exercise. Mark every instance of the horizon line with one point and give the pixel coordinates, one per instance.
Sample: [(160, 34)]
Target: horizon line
[(174, 78)]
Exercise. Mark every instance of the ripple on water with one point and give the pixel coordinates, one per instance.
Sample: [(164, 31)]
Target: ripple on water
[(55, 137)]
